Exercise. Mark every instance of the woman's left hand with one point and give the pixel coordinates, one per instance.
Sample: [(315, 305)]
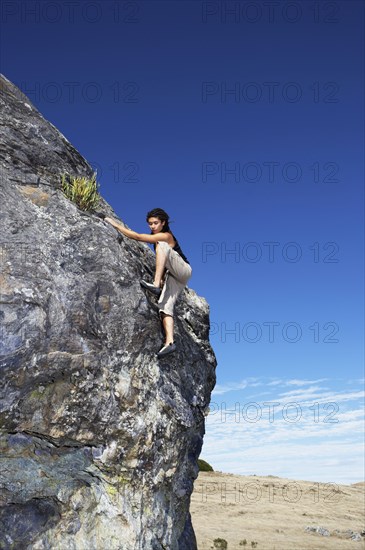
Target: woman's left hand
[(111, 221)]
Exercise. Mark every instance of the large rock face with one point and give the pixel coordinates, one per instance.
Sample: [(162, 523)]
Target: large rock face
[(99, 439)]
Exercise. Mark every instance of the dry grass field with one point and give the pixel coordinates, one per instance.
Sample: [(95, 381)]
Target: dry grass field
[(272, 513)]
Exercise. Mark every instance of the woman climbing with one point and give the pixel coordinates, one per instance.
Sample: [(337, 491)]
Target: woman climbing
[(172, 272)]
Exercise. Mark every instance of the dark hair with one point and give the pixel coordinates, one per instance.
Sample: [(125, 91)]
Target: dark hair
[(161, 215)]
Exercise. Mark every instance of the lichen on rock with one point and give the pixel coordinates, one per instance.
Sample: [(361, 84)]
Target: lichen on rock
[(99, 439)]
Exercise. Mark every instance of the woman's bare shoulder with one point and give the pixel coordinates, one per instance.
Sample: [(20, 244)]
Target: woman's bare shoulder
[(172, 240)]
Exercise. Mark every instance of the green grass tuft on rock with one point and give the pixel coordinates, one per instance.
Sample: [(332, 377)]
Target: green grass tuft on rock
[(81, 190)]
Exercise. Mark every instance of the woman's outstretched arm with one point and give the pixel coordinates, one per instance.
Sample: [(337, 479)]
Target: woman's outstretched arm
[(144, 237)]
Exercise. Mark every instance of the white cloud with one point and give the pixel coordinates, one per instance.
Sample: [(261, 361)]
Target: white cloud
[(276, 383), (304, 382), (219, 389), (234, 386), (294, 382), (316, 439)]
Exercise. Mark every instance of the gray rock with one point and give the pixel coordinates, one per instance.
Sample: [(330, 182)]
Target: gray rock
[(349, 534), (320, 530), (99, 441)]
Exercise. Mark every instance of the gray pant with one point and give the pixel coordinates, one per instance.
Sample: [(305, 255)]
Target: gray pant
[(177, 275)]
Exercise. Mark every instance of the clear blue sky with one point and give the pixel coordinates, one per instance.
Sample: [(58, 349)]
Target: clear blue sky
[(246, 123)]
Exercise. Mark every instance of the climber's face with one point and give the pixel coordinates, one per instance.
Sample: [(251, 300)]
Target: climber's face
[(156, 225)]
